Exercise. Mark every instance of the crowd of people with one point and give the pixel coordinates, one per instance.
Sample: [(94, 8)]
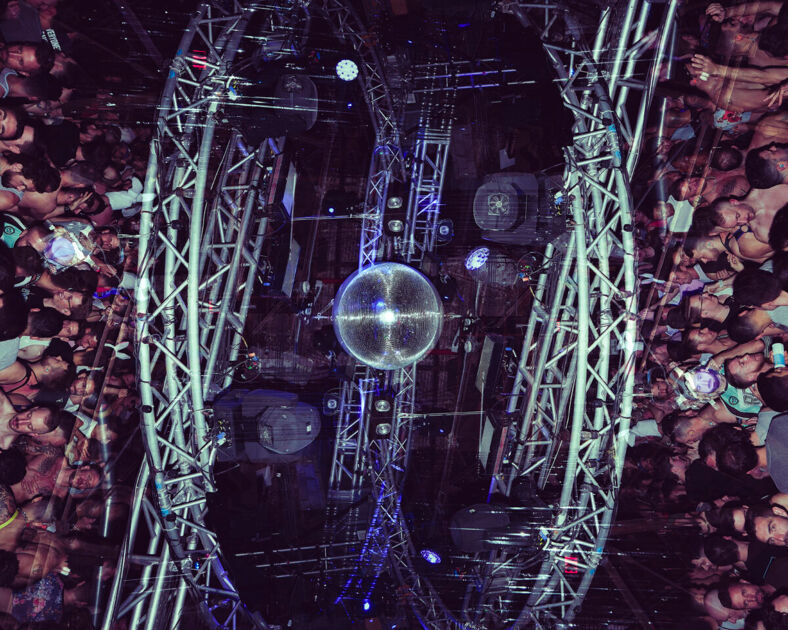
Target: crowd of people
[(710, 436), (71, 169)]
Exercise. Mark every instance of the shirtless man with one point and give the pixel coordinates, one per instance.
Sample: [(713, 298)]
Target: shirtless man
[(33, 421), (49, 474), (756, 211)]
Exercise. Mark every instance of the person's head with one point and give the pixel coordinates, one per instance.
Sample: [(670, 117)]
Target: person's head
[(720, 551), (767, 524), (765, 166), (28, 57), (12, 122), (27, 260), (697, 339), (40, 87), (729, 213), (718, 611), (97, 152), (778, 232), (36, 420), (72, 304), (69, 330), (773, 389), (702, 248), (58, 373), (13, 314), (689, 429), (747, 324), (85, 477), (89, 337), (775, 612), (741, 595), (13, 466), (737, 458), (687, 188), (9, 567), (31, 173), (45, 322), (726, 158), (83, 385), (703, 306), (743, 371), (756, 287)]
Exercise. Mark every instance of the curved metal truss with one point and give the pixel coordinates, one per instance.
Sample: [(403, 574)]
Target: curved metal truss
[(574, 386), (201, 234)]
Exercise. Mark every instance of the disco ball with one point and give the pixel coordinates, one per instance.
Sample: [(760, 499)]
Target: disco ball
[(387, 316)]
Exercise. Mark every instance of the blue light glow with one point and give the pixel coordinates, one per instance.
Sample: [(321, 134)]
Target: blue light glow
[(430, 556), (331, 210), (366, 605)]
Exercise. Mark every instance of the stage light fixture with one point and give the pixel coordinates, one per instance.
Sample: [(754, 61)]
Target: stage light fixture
[(477, 258), (430, 556), (347, 70)]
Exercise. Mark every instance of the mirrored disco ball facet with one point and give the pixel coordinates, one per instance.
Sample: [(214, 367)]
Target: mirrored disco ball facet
[(387, 316)]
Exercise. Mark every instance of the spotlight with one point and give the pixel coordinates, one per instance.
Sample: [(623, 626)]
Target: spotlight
[(477, 258), (445, 231), (347, 70), (380, 420), (366, 605), (430, 556)]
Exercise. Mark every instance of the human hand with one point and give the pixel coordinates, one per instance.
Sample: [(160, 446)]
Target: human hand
[(702, 64), (80, 200), (735, 263), (716, 11), (775, 96)]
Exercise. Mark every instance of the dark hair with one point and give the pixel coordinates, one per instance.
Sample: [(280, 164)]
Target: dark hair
[(720, 551), (716, 438), (42, 86), (737, 458), (724, 594), (703, 221), (60, 381), (45, 56), (754, 287), (97, 152), (45, 177), (9, 567), (65, 421), (732, 379), (773, 388), (21, 118), (726, 158), (772, 619), (760, 171), (45, 322), (28, 259), (778, 232), (13, 314), (780, 268), (13, 467), (741, 328), (774, 40)]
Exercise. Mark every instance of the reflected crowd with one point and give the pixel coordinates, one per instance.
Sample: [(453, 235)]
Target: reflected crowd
[(71, 167), (708, 456)]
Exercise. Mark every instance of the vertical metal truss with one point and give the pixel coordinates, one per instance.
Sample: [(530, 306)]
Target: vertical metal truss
[(199, 246), (574, 385), (386, 162), (430, 155)]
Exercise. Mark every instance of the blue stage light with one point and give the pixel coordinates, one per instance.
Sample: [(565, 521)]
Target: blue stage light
[(430, 556), (477, 258), (366, 605)]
